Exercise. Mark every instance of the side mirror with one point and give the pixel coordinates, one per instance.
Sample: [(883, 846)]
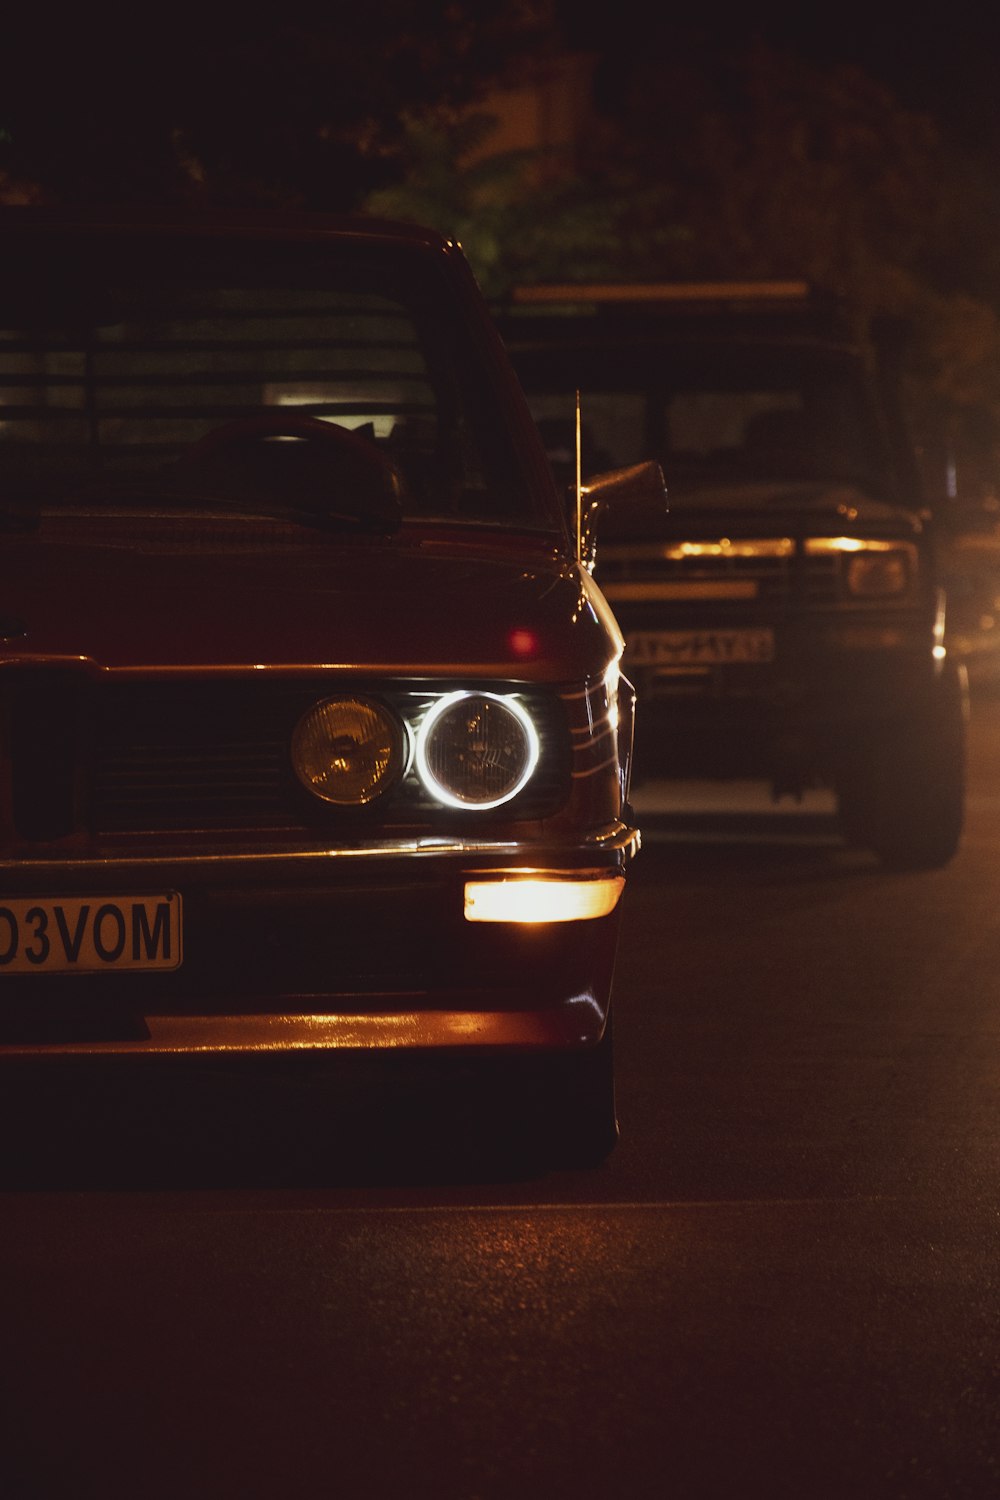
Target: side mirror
[(626, 501)]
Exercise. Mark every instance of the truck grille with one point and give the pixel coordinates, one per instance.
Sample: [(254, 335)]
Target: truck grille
[(769, 571)]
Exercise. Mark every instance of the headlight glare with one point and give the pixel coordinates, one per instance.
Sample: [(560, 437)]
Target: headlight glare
[(476, 750)]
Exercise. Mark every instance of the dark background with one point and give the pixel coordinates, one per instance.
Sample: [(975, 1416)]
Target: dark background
[(856, 147)]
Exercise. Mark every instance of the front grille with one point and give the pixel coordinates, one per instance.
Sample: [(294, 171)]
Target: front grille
[(769, 577), (178, 756), (821, 579), (43, 716), (769, 572), (93, 756)]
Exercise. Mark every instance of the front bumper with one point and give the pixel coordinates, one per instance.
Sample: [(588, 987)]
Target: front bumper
[(365, 948), (828, 688)]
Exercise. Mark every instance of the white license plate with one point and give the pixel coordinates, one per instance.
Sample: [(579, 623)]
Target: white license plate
[(699, 648), (84, 934)]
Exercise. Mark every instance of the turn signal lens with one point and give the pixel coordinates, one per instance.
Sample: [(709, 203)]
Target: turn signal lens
[(476, 750), (535, 901), (348, 750)]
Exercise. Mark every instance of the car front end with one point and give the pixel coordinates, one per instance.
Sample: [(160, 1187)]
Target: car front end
[(764, 649), (262, 854), (314, 736)]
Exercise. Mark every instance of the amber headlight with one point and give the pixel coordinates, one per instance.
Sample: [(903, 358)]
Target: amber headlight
[(878, 575), (348, 750), (476, 749)]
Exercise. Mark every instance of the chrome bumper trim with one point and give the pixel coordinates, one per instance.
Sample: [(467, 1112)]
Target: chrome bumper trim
[(619, 839), (573, 1025)]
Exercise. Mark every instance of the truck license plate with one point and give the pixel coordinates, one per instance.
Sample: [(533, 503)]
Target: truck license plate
[(699, 648)]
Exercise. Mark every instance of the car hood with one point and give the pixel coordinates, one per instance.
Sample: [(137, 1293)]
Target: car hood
[(406, 605), (800, 507)]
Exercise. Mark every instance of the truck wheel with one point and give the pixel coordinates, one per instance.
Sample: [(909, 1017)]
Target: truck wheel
[(904, 796)]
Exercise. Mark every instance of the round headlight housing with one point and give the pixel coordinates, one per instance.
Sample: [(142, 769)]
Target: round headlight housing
[(348, 750), (476, 750), (881, 574)]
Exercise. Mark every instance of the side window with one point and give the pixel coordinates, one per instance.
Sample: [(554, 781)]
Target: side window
[(707, 424)]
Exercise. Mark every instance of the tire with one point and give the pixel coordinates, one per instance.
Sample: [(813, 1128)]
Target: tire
[(903, 797)]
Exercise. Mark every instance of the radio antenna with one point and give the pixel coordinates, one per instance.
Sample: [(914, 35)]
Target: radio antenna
[(579, 485)]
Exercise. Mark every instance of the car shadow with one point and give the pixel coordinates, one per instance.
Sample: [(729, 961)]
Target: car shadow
[(150, 1125)]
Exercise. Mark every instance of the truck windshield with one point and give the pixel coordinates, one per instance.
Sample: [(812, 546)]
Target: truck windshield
[(711, 416)]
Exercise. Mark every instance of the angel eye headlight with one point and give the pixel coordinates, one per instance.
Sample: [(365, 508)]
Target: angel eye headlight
[(878, 575), (476, 750), (348, 750)]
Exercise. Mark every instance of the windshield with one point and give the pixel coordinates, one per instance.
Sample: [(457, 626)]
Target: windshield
[(712, 416), (116, 356)]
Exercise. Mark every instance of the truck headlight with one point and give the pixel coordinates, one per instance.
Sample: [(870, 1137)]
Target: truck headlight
[(878, 575)]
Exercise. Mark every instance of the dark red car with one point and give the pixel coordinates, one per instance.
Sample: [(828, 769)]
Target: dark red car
[(314, 734)]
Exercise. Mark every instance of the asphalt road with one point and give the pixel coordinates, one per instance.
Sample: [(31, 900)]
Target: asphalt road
[(785, 1282)]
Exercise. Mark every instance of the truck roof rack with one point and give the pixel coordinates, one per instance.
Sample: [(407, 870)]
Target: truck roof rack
[(789, 309)]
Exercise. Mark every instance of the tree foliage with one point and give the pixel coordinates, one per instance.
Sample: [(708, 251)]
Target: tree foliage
[(520, 215), (304, 106), (780, 167), (755, 164)]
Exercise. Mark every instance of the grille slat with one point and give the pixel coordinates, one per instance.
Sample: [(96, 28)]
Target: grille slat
[(771, 576), (775, 578)]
